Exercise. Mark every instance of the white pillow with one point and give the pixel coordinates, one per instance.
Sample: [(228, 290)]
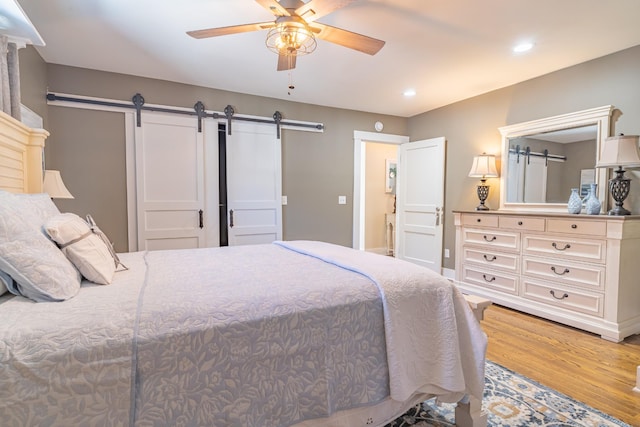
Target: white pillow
[(83, 248), (40, 207), (40, 271), (37, 268)]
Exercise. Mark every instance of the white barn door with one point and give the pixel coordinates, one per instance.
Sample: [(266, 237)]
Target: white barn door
[(420, 200), (169, 160), (254, 184)]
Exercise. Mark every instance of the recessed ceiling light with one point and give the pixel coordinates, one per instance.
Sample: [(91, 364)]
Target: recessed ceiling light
[(409, 92), (522, 47)]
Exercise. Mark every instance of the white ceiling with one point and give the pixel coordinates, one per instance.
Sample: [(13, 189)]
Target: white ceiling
[(447, 50)]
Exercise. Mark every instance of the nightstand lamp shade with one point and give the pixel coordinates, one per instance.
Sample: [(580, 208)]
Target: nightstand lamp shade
[(54, 186), (484, 166), (620, 151)]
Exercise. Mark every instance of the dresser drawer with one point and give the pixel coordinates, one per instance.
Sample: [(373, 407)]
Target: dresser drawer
[(520, 223), (565, 247), (584, 227), (492, 239), (490, 259), (586, 276), (559, 296), (491, 279), (480, 220)]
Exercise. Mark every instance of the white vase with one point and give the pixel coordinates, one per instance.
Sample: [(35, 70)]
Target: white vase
[(574, 205), (592, 205)]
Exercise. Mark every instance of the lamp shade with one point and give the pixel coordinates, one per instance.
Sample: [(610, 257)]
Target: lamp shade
[(621, 150), (484, 166), (54, 186)]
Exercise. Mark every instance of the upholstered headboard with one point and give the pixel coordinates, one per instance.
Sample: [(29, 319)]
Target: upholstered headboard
[(21, 153)]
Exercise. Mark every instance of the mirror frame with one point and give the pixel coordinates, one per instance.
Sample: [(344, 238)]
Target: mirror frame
[(600, 116)]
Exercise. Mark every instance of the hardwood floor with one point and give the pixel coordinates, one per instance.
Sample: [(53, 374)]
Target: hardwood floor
[(579, 364)]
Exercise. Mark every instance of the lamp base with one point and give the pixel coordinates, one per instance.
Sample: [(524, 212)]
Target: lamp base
[(619, 188), (483, 193), (618, 211)]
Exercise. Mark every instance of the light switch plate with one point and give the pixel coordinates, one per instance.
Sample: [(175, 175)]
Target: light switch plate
[(342, 200), (284, 200)]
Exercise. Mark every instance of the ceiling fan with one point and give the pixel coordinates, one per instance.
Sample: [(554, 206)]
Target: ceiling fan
[(294, 30)]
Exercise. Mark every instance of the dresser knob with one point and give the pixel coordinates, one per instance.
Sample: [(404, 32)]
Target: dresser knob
[(574, 226), (520, 222), (479, 220)]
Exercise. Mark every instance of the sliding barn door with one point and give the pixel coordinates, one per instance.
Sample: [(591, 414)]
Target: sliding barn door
[(254, 184), (169, 153)]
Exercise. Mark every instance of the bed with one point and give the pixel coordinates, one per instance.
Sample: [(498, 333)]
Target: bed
[(299, 333)]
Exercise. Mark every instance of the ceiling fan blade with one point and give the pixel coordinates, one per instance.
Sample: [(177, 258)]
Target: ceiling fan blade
[(286, 62), (234, 29), (348, 39), (274, 7), (315, 9)]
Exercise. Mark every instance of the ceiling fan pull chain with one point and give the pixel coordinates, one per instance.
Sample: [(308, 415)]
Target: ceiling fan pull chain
[(291, 86), (228, 112)]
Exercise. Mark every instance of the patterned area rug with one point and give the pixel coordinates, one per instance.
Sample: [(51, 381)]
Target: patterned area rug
[(515, 401)]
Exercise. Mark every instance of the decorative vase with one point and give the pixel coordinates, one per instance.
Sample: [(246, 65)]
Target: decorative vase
[(574, 205), (592, 205)]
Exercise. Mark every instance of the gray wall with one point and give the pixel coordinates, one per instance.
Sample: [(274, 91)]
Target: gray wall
[(471, 126), (319, 167), (88, 148), (33, 82)]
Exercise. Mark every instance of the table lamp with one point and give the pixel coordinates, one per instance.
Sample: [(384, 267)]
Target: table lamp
[(484, 166), (619, 151), (54, 186)]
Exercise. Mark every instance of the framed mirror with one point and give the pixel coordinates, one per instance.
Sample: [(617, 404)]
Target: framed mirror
[(542, 160)]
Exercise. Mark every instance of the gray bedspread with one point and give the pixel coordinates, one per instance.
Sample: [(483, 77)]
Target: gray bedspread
[(239, 336)]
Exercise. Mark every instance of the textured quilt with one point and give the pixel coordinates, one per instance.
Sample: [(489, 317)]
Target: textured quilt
[(247, 336)]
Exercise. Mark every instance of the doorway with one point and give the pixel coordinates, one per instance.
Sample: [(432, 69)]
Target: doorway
[(420, 197), (361, 139)]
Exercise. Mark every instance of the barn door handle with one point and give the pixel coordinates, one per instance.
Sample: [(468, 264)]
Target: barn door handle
[(201, 218), (231, 218)]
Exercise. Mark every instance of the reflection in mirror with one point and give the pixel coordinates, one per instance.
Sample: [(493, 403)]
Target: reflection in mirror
[(573, 144), (543, 167)]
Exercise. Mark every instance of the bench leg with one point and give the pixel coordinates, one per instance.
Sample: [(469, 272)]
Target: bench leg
[(470, 414)]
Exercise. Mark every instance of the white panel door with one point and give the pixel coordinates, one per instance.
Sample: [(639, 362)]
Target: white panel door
[(419, 203), (254, 184), (169, 182)]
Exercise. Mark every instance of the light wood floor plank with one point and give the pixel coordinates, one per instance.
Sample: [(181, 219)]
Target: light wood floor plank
[(579, 364)]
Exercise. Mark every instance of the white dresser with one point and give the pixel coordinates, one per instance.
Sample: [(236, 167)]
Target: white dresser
[(579, 270)]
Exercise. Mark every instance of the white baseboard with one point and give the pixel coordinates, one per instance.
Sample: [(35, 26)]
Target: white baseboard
[(449, 273), (379, 251)]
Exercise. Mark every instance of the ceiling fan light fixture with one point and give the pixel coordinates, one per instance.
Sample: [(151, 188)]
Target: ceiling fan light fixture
[(291, 37)]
